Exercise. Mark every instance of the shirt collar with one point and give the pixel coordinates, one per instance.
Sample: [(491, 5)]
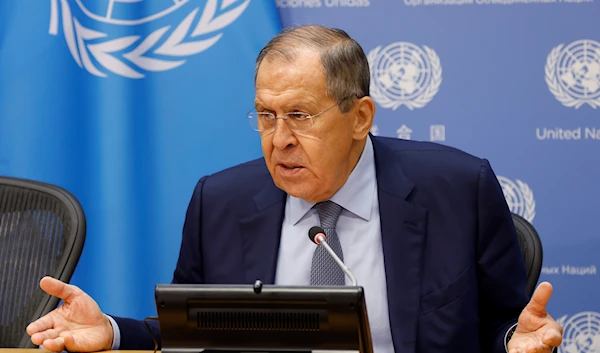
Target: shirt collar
[(355, 196)]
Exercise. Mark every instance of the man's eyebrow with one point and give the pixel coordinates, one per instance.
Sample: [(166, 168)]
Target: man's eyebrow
[(291, 106), (258, 104)]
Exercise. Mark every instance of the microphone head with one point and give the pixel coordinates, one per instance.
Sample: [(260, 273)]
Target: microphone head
[(314, 232)]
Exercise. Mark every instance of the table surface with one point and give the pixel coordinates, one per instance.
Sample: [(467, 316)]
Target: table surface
[(35, 350)]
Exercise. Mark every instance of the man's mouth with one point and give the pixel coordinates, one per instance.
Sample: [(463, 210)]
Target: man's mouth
[(289, 169), (290, 166)]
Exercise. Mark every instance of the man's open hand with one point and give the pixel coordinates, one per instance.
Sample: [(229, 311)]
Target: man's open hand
[(536, 331), (78, 325)]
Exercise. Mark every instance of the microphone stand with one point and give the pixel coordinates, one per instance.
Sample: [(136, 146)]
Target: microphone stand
[(323, 242)]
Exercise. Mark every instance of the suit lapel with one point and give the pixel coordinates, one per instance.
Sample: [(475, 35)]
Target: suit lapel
[(261, 233), (403, 229)]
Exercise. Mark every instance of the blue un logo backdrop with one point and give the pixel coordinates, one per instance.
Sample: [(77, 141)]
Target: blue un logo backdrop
[(127, 104), (514, 81)]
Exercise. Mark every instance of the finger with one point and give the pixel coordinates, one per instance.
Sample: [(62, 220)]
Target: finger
[(515, 350), (69, 341), (40, 337), (55, 345), (57, 288), (552, 338), (42, 324), (537, 304)]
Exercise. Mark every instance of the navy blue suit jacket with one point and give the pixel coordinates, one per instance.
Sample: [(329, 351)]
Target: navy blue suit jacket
[(454, 271)]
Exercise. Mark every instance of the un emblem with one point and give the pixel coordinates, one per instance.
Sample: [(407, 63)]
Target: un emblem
[(404, 74), (573, 73), (581, 333), (519, 197), (134, 55)]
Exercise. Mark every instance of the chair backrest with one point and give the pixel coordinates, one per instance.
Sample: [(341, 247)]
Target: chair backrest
[(531, 248), (42, 232)]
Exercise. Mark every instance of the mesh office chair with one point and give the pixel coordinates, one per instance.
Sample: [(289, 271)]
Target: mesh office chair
[(531, 248), (42, 232)]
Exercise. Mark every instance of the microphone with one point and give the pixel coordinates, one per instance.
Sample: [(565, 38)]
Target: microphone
[(317, 235)]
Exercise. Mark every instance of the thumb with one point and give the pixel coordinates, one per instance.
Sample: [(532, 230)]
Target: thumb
[(57, 288), (539, 300)]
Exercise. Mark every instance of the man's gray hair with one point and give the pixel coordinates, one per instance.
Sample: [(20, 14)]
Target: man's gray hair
[(344, 61)]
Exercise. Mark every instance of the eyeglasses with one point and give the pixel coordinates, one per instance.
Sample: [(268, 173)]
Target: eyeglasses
[(296, 121)]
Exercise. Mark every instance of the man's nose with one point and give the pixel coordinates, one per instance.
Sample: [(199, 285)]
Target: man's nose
[(283, 136)]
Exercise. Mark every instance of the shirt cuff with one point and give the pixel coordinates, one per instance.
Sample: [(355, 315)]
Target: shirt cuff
[(116, 333), (512, 328)]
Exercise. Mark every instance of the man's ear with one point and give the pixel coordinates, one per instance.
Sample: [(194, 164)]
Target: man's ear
[(365, 112)]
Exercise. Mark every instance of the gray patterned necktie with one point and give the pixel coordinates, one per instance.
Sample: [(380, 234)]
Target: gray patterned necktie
[(324, 270)]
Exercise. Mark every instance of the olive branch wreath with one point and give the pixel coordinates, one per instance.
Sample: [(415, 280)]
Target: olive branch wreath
[(529, 212), (176, 44)]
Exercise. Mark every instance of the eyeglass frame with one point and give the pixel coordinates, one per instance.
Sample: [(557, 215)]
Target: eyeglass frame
[(286, 117)]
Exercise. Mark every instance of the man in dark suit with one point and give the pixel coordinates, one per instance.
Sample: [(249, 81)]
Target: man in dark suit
[(424, 227)]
